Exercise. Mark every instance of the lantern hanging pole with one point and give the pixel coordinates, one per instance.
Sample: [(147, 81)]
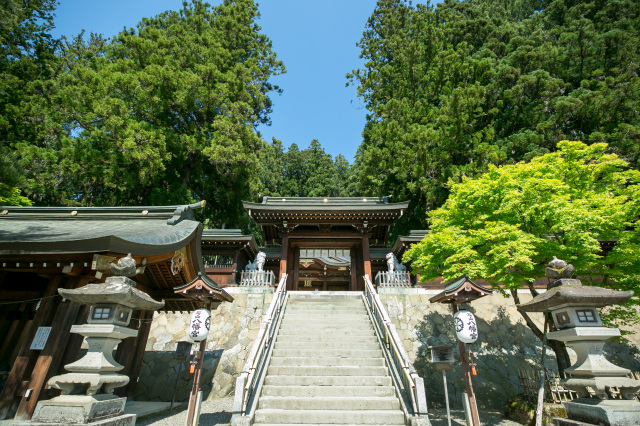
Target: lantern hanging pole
[(193, 398), (475, 419)]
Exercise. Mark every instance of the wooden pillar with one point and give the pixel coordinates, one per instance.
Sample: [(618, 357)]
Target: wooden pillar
[(74, 344), (50, 357), (234, 267), (146, 318), (15, 330), (296, 268), (26, 356), (353, 283), (283, 255), (365, 255), (125, 353)]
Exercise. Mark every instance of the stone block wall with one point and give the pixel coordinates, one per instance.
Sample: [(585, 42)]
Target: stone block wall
[(234, 327), (504, 343)]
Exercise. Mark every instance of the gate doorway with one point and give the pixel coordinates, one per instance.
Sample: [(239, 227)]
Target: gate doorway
[(321, 269)]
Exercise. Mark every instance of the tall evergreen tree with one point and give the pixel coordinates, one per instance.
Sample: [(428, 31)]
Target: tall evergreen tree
[(453, 88), (26, 59), (164, 113)]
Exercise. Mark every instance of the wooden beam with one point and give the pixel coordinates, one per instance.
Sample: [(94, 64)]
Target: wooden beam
[(16, 328), (43, 315), (49, 358), (124, 354), (75, 340), (18, 296), (141, 342)]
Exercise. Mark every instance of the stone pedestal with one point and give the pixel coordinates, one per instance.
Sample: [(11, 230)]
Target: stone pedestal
[(79, 409), (588, 412)]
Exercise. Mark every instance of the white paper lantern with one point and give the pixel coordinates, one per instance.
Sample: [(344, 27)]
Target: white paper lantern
[(466, 328), (199, 324)]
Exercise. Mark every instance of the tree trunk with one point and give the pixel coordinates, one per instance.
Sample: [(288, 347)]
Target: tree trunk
[(562, 356)]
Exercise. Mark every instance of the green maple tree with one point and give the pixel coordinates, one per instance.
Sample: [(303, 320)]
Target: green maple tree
[(505, 225)]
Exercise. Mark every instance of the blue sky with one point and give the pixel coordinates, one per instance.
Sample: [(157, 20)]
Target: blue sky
[(316, 40)]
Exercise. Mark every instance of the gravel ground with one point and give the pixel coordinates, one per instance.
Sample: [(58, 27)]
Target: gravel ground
[(218, 412)]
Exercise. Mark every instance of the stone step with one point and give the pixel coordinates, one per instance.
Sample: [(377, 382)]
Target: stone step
[(328, 329), (327, 361), (330, 353), (325, 302), (332, 391), (328, 403), (316, 314), (320, 345), (326, 323), (302, 339), (324, 299), (327, 381), (317, 309), (368, 417), (320, 330), (340, 370)]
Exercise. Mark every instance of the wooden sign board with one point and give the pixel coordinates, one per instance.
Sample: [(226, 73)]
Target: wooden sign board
[(40, 339), (441, 354)]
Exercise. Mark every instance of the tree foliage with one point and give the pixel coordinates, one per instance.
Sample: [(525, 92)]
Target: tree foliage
[(310, 172), (27, 56), (453, 88), (164, 113), (505, 225)]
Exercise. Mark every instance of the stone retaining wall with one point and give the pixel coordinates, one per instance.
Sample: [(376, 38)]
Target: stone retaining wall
[(505, 343), (234, 327)]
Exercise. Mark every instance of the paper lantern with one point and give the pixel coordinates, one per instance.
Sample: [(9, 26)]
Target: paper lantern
[(466, 328), (199, 324)]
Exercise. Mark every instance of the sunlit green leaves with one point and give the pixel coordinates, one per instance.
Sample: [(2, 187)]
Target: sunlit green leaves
[(507, 224)]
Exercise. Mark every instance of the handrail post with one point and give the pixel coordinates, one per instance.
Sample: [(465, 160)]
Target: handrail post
[(412, 382), (250, 377)]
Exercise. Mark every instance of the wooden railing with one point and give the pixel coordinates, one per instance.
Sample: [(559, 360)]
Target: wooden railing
[(257, 278), (249, 382), (393, 279), (412, 384)]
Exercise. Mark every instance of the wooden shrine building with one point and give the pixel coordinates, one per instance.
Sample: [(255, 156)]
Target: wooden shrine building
[(43, 249), (325, 243)]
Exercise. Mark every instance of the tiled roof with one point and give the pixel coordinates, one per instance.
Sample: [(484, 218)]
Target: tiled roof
[(141, 230)]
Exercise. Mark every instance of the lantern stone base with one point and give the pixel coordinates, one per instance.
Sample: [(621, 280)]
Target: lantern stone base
[(100, 409), (588, 412)]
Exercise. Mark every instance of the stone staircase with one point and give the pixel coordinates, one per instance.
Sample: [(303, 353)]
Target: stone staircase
[(327, 366)]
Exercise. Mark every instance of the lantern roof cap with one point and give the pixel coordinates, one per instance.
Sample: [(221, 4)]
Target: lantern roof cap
[(118, 290), (461, 290), (202, 288), (573, 293)]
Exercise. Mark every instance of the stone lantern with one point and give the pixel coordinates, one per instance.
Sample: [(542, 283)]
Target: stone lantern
[(573, 308), (112, 304)]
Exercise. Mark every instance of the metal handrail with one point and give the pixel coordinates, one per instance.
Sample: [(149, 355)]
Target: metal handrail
[(250, 378), (412, 383)]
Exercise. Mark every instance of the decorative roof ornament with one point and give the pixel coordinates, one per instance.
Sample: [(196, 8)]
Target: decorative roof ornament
[(557, 269), (126, 267)]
